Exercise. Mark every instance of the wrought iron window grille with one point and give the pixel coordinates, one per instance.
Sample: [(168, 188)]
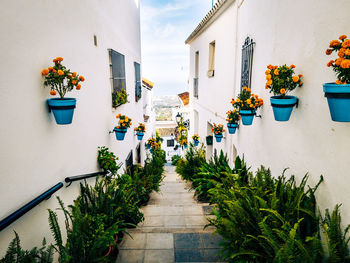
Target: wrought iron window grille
[(247, 62)]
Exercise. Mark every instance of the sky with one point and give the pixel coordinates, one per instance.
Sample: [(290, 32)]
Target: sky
[(165, 25)]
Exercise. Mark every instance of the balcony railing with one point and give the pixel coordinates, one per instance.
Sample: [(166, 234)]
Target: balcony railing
[(195, 88)]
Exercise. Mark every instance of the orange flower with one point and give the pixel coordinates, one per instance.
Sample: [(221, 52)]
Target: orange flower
[(54, 70), (300, 83), (268, 77), (249, 90), (270, 66), (341, 52), (292, 66), (50, 68), (59, 59), (329, 51), (334, 43), (60, 72), (338, 61), (276, 72), (345, 63), (53, 92), (54, 60), (266, 87), (347, 52), (282, 91), (295, 79), (300, 75), (74, 74), (269, 82), (346, 43), (342, 37), (74, 82), (45, 71), (267, 72), (330, 63), (78, 87), (81, 78), (338, 81), (118, 116)]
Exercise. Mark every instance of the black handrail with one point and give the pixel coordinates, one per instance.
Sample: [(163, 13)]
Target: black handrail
[(71, 179), (24, 209)]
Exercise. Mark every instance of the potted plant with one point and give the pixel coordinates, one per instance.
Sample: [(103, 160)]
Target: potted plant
[(232, 119), (150, 141), (61, 80), (280, 81), (338, 93), (154, 146), (119, 98), (121, 129), (247, 104), (183, 141), (195, 139), (140, 131), (218, 131)]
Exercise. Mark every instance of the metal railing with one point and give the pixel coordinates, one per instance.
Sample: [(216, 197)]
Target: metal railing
[(27, 207), (195, 87), (71, 179)]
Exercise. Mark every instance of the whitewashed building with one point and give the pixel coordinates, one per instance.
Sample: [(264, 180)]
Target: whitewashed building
[(94, 38), (283, 32)]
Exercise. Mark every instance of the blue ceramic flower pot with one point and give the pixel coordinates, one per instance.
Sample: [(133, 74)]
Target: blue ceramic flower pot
[(148, 146), (185, 146), (63, 110), (139, 135), (151, 150), (338, 97), (283, 106), (247, 116), (218, 137), (196, 143), (120, 134), (232, 128)]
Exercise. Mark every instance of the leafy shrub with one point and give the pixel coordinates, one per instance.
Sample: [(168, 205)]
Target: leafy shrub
[(190, 166), (175, 159), (15, 253), (107, 160), (336, 240)]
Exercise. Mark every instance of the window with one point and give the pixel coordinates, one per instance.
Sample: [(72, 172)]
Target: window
[(138, 83), (117, 64), (247, 62), (211, 59), (196, 73), (170, 143), (129, 163)]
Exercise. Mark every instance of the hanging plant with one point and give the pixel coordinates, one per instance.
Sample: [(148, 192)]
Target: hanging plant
[(218, 132), (195, 139), (140, 131), (121, 129), (232, 119), (61, 80), (338, 93), (247, 104), (280, 80), (119, 98)]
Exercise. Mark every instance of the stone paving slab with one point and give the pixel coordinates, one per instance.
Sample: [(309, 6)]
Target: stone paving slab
[(173, 229)]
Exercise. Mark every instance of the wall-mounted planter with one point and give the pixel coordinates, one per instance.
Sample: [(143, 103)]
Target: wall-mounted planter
[(338, 97), (139, 135), (218, 137), (196, 143), (63, 110), (148, 146), (185, 146), (209, 140), (120, 133), (247, 116), (232, 128), (283, 106)]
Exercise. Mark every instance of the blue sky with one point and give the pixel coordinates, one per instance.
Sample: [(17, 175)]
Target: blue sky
[(165, 25)]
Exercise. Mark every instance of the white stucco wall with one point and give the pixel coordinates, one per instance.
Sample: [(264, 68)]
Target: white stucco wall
[(286, 32), (35, 152)]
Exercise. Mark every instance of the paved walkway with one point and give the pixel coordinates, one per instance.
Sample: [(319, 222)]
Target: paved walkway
[(173, 228)]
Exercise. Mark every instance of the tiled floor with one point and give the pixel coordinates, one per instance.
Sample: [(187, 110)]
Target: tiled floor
[(173, 230)]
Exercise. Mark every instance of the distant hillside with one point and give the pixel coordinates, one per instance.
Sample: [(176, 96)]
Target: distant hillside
[(163, 106)]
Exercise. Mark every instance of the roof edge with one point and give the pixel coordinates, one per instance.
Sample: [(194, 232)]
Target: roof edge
[(210, 17)]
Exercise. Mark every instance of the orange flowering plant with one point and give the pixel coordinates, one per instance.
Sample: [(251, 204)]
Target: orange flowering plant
[(341, 65), (282, 79), (150, 141), (124, 122), (183, 140), (60, 79), (218, 129), (247, 101), (233, 116), (140, 128)]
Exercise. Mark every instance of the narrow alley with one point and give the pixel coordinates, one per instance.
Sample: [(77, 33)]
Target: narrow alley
[(173, 228)]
